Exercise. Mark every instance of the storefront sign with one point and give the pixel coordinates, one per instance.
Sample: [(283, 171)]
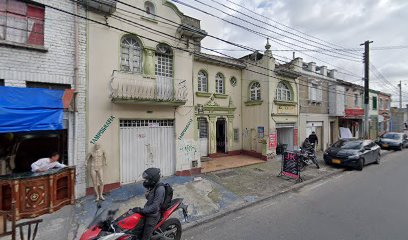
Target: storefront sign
[(354, 112), (290, 166), (286, 110), (295, 137), (272, 141), (261, 133)]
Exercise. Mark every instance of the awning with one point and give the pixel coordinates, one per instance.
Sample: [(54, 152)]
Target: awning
[(31, 109)]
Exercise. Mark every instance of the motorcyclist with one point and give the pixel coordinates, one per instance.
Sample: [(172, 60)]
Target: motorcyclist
[(306, 144), (155, 194)]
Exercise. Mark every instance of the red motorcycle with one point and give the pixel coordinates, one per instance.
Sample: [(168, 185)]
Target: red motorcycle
[(129, 226)]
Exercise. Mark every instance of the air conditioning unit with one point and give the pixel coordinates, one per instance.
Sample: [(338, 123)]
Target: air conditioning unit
[(100, 6)]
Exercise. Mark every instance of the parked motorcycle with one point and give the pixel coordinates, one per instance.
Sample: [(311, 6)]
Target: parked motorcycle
[(129, 226), (307, 157)]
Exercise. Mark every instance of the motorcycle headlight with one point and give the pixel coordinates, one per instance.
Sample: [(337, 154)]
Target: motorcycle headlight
[(354, 156)]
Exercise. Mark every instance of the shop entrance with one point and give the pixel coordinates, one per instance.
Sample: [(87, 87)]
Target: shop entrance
[(220, 135), (285, 138)]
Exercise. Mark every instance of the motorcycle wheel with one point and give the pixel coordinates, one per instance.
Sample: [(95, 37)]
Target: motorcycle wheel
[(173, 227)]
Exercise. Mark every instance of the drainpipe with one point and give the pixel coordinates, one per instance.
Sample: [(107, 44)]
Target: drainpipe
[(76, 79)]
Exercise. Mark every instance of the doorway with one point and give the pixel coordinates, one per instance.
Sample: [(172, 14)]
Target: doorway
[(220, 135), (285, 138), (332, 133)]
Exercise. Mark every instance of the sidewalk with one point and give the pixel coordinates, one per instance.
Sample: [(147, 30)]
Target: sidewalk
[(206, 195)]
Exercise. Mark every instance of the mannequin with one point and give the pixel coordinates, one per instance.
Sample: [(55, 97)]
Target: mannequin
[(97, 160)]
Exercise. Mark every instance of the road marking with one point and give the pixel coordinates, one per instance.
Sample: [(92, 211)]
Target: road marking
[(237, 218)]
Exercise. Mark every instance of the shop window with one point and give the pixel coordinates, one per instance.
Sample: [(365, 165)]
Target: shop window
[(236, 134), (51, 86), (164, 61), (255, 91), (130, 54), (203, 127), (219, 83), (374, 103), (283, 92), (202, 81), (21, 22)]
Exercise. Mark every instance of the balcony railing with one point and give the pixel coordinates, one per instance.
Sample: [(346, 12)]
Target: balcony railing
[(136, 88)]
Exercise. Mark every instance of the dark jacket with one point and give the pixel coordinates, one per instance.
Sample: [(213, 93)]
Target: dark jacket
[(155, 198), (313, 138)]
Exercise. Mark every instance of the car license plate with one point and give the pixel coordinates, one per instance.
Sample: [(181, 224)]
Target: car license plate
[(336, 161), (385, 145)]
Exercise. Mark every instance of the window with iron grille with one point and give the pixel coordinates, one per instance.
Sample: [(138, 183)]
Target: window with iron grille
[(164, 61), (147, 123), (203, 127), (219, 83), (255, 91), (21, 22), (236, 134), (283, 92), (202, 82), (130, 55)]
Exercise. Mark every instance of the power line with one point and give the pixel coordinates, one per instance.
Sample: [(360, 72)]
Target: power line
[(197, 53), (248, 29), (270, 19), (263, 22)]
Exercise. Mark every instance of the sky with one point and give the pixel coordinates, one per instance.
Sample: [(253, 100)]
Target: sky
[(315, 24)]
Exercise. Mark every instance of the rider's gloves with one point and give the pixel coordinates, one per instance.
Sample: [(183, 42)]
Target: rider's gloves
[(137, 210)]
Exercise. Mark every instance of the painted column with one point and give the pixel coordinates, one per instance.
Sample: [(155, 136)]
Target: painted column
[(230, 133), (149, 62), (212, 141)]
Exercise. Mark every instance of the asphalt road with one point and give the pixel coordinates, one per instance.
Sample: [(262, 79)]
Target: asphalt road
[(372, 204)]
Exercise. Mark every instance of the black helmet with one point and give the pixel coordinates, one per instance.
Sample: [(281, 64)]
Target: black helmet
[(151, 177)]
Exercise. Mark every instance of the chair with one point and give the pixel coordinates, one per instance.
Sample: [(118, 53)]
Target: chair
[(11, 217), (30, 234)]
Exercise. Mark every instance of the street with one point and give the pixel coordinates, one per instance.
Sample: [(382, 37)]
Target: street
[(372, 204)]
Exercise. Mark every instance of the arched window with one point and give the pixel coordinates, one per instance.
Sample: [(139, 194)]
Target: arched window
[(130, 54), (283, 92), (150, 9), (202, 81), (255, 91), (219, 83), (164, 61)]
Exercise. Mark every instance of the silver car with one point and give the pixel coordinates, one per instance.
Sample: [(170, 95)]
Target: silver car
[(393, 140)]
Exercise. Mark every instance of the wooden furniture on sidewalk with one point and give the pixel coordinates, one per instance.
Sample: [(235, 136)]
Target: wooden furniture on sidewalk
[(8, 216), (35, 194)]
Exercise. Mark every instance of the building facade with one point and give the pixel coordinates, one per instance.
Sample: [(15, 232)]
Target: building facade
[(373, 114), (41, 47), (384, 112)]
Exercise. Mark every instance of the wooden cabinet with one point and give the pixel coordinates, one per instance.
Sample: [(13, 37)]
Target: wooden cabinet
[(37, 193)]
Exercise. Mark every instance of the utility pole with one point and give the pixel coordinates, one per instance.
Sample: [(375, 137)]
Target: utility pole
[(366, 86), (400, 94)]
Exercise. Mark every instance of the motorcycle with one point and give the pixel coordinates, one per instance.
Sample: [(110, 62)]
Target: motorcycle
[(129, 226), (307, 157)]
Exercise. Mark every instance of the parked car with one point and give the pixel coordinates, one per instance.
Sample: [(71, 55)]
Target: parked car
[(393, 140), (352, 153)]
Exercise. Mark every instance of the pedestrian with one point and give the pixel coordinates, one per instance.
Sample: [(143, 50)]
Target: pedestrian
[(313, 139)]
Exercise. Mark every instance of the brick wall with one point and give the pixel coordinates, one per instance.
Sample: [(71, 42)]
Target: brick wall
[(56, 65)]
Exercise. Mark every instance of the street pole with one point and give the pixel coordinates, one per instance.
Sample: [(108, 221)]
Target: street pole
[(366, 86), (400, 94)]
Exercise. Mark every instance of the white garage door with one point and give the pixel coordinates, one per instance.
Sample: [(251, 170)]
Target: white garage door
[(144, 144)]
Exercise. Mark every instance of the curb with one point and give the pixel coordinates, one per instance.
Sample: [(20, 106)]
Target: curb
[(241, 206)]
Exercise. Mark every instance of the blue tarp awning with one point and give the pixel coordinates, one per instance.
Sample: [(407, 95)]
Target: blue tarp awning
[(30, 109)]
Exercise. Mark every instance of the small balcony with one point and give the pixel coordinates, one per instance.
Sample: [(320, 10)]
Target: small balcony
[(190, 27), (106, 7), (136, 89)]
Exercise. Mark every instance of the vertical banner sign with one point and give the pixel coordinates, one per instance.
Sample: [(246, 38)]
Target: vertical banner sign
[(295, 137), (291, 166), (272, 141)]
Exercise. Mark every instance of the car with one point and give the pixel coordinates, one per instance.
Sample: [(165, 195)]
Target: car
[(355, 153), (393, 140)]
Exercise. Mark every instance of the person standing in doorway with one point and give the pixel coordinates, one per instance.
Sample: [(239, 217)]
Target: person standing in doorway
[(313, 139)]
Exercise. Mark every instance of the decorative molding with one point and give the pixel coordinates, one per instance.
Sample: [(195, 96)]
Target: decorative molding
[(203, 94), (253, 102), (149, 19), (23, 46), (211, 102), (220, 95), (291, 103)]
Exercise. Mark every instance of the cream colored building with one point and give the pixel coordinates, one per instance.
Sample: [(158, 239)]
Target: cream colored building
[(140, 102)]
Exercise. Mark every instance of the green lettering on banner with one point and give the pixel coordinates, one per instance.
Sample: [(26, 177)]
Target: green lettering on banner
[(102, 130)]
